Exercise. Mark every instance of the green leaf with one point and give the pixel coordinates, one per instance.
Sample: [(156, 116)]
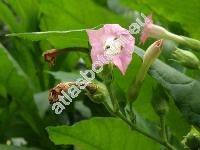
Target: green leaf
[(18, 85), (20, 16), (7, 17), (65, 76), (42, 103), (183, 89), (59, 30), (186, 13), (100, 134), (78, 36), (6, 147)]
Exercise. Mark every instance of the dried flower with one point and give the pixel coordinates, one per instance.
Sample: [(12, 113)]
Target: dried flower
[(56, 91), (50, 56)]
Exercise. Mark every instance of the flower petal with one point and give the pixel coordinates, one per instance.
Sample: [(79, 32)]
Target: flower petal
[(113, 42), (145, 33)]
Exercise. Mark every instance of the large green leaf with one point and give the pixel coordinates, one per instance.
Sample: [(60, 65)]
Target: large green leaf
[(48, 35), (183, 12), (20, 16), (18, 86), (100, 134), (184, 90), (70, 19)]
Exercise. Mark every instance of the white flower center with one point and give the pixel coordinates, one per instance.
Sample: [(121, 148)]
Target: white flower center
[(112, 47)]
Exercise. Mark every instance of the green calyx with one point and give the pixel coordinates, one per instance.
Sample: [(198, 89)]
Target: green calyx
[(97, 92), (186, 58)]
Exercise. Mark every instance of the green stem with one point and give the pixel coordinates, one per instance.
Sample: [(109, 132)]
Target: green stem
[(174, 37), (134, 127), (132, 114), (193, 43), (163, 128), (113, 98), (163, 133)]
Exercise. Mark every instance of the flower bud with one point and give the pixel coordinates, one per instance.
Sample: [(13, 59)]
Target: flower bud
[(186, 58), (192, 139), (193, 43), (97, 92), (149, 57), (152, 52)]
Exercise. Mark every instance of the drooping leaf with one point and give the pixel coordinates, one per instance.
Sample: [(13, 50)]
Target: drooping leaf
[(100, 133)]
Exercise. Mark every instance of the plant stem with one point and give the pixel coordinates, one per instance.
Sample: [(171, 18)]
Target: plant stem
[(163, 132), (113, 98), (134, 127), (163, 128)]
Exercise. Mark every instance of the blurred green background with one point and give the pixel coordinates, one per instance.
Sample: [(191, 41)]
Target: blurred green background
[(25, 78)]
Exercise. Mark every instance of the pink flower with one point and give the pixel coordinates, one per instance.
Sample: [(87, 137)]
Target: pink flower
[(152, 30), (112, 43)]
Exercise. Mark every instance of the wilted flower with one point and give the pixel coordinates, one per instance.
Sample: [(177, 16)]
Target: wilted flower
[(114, 43), (152, 30), (56, 91), (50, 56)]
